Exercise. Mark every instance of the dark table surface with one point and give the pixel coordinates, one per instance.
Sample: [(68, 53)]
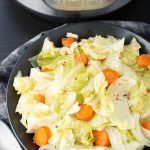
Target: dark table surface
[(18, 25)]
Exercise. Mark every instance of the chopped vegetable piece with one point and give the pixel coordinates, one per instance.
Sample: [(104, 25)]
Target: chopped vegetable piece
[(46, 69), (146, 125), (42, 135), (101, 138), (83, 58), (40, 98), (85, 113), (110, 75), (66, 42), (148, 90), (143, 60)]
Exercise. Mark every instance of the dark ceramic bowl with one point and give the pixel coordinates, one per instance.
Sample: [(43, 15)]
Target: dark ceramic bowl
[(84, 30)]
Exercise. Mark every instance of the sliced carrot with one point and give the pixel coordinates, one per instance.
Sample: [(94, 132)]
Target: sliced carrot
[(101, 138), (42, 135), (148, 90), (85, 113), (46, 69), (146, 125), (40, 98), (66, 42), (143, 60), (83, 58), (110, 75)]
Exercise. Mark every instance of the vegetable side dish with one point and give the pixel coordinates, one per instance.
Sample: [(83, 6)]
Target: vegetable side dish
[(88, 94)]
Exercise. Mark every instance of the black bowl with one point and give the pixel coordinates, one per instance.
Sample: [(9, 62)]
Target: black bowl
[(84, 30)]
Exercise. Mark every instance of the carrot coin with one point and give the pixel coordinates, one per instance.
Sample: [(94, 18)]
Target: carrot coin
[(46, 69), (110, 75), (146, 125), (83, 58), (101, 138), (143, 60), (66, 42), (85, 113), (40, 98), (148, 90), (42, 135)]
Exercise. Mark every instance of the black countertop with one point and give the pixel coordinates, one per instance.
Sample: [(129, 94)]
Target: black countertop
[(18, 25)]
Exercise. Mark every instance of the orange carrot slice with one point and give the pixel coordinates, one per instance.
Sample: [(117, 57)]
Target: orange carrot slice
[(46, 69), (42, 135), (148, 90), (40, 98), (83, 58), (66, 42), (143, 60), (146, 125), (110, 75), (101, 138), (85, 113)]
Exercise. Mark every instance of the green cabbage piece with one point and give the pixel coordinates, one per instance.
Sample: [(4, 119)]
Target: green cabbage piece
[(81, 130), (146, 79), (107, 106), (130, 53), (88, 89), (137, 131), (61, 103), (68, 78), (33, 61), (126, 136), (146, 114), (50, 56), (97, 47), (113, 61), (138, 98), (68, 81), (139, 70), (99, 122), (45, 60), (28, 106), (42, 79), (96, 96), (94, 67)]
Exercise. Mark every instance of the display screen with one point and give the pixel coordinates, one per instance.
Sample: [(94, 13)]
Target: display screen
[(78, 5)]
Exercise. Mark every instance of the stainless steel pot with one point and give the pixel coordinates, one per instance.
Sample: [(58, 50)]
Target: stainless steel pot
[(71, 10)]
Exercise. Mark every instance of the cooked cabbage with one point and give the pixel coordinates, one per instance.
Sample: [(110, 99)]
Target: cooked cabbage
[(59, 83), (130, 53), (119, 92), (98, 47), (23, 84)]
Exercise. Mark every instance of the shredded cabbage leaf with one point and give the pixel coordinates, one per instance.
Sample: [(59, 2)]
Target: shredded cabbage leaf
[(138, 98), (119, 91), (97, 47), (137, 132), (81, 130), (130, 53)]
